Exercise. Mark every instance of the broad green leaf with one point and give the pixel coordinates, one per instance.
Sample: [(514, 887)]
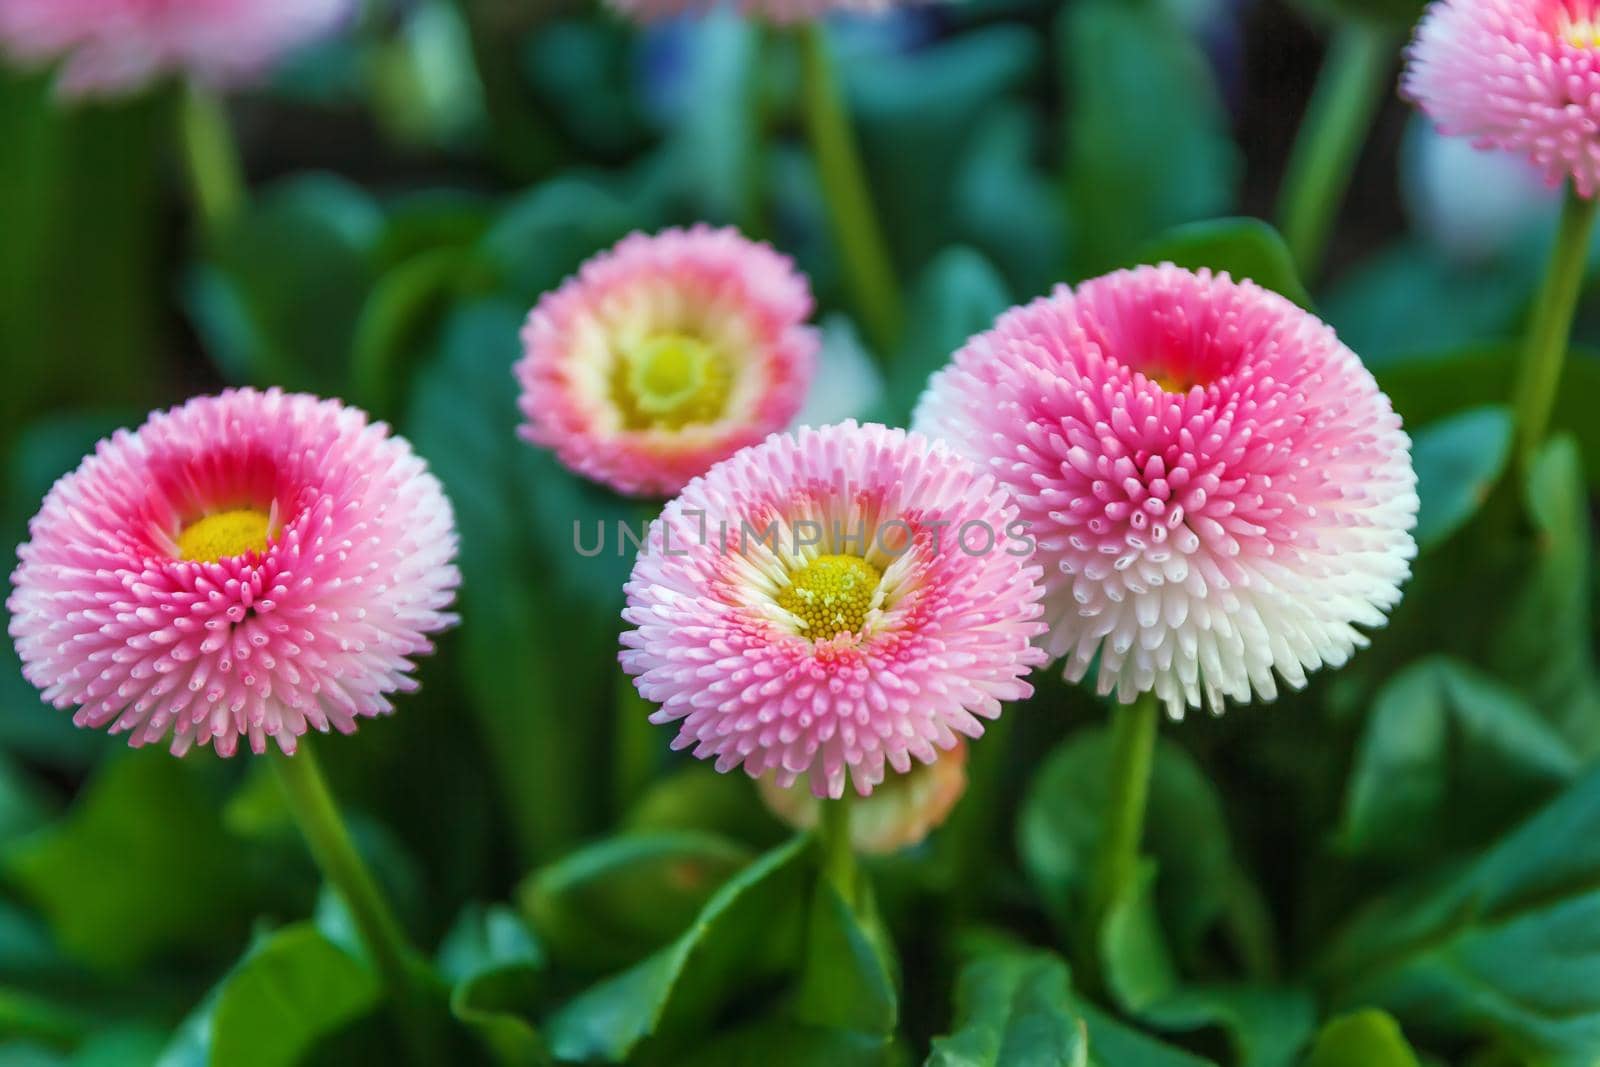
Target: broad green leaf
[(612, 903), (698, 798), (848, 980), (716, 142), (140, 865), (1185, 834), (494, 967), (1458, 460), (1138, 965), (1505, 946), (545, 234), (749, 932), (777, 1041), (1014, 1010), (1140, 91), (278, 300), (1113, 1044), (1364, 1039), (1248, 249), (1267, 1026), (25, 1016), (1007, 205), (1449, 757), (958, 295)]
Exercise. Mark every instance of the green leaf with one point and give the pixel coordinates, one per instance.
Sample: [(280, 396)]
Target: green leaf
[(544, 235), (1138, 966), (279, 298), (698, 798), (1458, 460), (1505, 946), (848, 982), (494, 966), (777, 1041), (1008, 206), (292, 990), (1364, 1039), (1141, 90), (750, 931), (1266, 1026), (715, 147), (1448, 758), (958, 295), (1186, 834), (1014, 1010), (1248, 249), (612, 903), (149, 825)]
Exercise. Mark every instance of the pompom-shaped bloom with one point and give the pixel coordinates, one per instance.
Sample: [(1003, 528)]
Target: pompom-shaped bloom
[(250, 565), (1518, 75), (900, 813), (833, 603), (116, 46), (778, 12), (1217, 487), (664, 355)]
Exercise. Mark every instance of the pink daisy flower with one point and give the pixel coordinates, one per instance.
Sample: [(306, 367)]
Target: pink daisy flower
[(900, 813), (833, 603), (251, 565), (118, 46), (779, 12), (1218, 488), (1518, 75), (664, 355)]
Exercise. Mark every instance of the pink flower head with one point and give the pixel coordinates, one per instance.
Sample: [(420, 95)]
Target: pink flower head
[(117, 46), (248, 565), (1218, 489), (832, 603), (664, 355), (900, 813), (778, 12), (1517, 75)]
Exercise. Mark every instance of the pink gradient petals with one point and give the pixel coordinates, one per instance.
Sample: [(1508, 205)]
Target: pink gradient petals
[(1522, 76), (1196, 540), (948, 639), (313, 633), (117, 46), (710, 284)]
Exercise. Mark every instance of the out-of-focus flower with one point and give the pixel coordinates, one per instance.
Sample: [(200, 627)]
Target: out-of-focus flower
[(251, 565), (664, 355), (831, 604), (1471, 203), (117, 46), (900, 813), (1517, 75), (1218, 488), (780, 12)]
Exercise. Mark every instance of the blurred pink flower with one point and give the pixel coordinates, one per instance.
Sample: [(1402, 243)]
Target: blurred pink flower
[(251, 565), (1517, 75), (900, 813), (1218, 488), (118, 46), (664, 355), (832, 604)]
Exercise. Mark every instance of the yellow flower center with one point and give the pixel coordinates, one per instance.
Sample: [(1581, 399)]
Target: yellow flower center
[(224, 535), (831, 595), (1580, 32), (670, 381)]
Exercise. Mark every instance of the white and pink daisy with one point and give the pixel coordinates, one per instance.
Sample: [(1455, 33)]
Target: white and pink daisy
[(1518, 75), (664, 355), (118, 46), (247, 566), (899, 814), (833, 604), (1218, 488)]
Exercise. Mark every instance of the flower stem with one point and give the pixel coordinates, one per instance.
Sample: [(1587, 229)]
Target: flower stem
[(856, 226), (838, 856), (1545, 349), (1353, 82), (211, 158), (317, 814), (1133, 744)]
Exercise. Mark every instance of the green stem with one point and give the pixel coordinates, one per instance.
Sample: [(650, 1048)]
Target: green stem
[(1353, 82), (314, 809), (211, 158), (1133, 745), (856, 227), (1545, 350), (838, 856)]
